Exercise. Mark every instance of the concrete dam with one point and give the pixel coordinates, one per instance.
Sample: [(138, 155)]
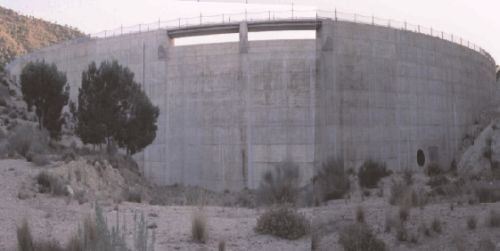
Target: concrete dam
[(231, 111)]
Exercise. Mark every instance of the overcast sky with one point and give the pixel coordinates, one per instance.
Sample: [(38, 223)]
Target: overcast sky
[(475, 20)]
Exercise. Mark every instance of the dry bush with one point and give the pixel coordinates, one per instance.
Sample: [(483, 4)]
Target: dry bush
[(403, 194), (371, 172), (40, 160), (471, 222), (283, 222), (486, 245), (279, 185), (404, 213), (199, 230), (402, 233), (433, 169), (358, 237), (487, 192), (493, 219), (26, 140), (331, 182), (132, 195), (51, 184)]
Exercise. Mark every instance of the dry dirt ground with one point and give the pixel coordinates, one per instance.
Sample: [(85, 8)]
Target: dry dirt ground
[(58, 218)]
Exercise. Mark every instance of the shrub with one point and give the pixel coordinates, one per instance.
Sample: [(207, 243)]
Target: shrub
[(331, 182), (279, 185), (133, 195), (471, 222), (24, 237), (358, 236), (402, 194), (51, 184), (433, 169), (40, 160), (408, 176), (283, 222), (27, 139), (494, 219), (199, 231), (404, 213), (402, 233), (360, 215), (371, 172), (436, 225), (487, 193), (486, 245)]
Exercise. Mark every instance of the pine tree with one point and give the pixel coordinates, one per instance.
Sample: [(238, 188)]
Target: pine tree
[(112, 107), (45, 88)]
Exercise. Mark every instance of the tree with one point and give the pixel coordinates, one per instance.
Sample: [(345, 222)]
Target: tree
[(139, 123), (112, 107), (45, 88)]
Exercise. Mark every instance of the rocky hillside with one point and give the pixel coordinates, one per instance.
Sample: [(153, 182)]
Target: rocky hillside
[(21, 34)]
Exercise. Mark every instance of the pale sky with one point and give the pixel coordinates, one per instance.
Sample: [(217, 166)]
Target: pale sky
[(474, 20)]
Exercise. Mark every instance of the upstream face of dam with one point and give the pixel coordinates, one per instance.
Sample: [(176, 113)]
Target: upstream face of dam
[(231, 111)]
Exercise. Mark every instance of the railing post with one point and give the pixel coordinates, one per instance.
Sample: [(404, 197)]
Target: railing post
[(335, 14), (121, 29), (222, 18), (431, 32), (292, 10), (355, 17), (406, 26), (269, 15), (389, 23), (245, 14), (452, 37), (200, 18), (373, 20), (179, 22), (159, 24), (442, 35), (460, 41), (104, 34), (419, 28), (139, 28)]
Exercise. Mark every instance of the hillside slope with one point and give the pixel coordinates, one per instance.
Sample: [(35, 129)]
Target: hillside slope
[(20, 34)]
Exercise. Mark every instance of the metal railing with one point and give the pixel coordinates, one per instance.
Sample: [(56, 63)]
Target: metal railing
[(289, 15)]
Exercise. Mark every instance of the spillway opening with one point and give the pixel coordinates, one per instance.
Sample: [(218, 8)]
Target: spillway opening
[(282, 35), (207, 39), (252, 36)]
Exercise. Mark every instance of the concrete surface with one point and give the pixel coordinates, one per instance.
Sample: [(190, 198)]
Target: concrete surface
[(230, 111)]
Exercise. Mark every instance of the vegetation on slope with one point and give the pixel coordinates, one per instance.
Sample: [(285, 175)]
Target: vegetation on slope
[(21, 34)]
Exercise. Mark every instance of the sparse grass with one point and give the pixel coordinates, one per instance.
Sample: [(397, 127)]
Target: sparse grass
[(24, 237), (283, 222), (493, 219), (331, 182), (222, 245), (371, 172), (471, 222), (199, 231), (280, 185), (358, 237)]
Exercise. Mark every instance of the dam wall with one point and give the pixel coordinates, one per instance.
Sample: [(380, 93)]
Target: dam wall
[(231, 111)]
